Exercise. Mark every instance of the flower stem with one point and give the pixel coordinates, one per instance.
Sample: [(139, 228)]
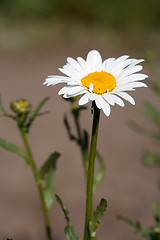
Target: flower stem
[(96, 116), (38, 183)]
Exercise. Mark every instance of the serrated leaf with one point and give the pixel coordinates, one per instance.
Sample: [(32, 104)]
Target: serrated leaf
[(49, 164), (13, 148), (100, 174), (96, 218), (64, 209), (156, 212), (69, 230), (35, 113), (70, 233), (151, 159)]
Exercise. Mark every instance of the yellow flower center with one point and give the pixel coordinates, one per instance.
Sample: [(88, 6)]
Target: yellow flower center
[(102, 82)]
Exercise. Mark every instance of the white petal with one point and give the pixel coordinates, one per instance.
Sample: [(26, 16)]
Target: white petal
[(107, 64), (123, 88), (74, 90), (72, 72), (136, 61), (120, 67), (108, 98), (66, 95), (126, 96), (118, 62), (93, 96), (53, 80), (91, 87), (94, 59), (135, 84), (74, 64), (98, 102), (131, 78), (86, 67), (84, 99), (130, 70), (106, 108), (74, 83), (117, 100), (62, 91), (102, 104)]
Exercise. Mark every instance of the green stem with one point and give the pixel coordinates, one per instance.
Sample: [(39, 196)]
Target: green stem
[(89, 197), (38, 184)]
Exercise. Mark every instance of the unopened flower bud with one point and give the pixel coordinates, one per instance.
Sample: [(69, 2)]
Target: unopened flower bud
[(21, 106)]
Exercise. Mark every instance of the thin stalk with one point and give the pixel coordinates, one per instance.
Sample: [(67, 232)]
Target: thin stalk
[(38, 184), (96, 116)]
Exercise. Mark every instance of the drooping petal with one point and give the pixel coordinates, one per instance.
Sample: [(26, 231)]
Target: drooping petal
[(66, 95), (102, 104), (98, 102), (126, 96), (117, 100), (108, 98), (84, 99), (106, 109)]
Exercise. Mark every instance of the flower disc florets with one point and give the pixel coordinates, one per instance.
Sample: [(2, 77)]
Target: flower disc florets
[(103, 82)]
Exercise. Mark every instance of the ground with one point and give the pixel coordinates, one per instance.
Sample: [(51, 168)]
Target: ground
[(129, 186)]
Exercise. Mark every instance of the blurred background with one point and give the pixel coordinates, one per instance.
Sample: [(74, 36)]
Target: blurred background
[(36, 37)]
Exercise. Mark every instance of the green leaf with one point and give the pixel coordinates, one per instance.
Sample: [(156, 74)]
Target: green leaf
[(64, 209), (49, 164), (156, 87), (49, 189), (99, 176), (13, 148), (47, 173), (151, 159), (69, 230), (156, 212), (143, 131), (71, 136), (70, 233), (5, 113), (85, 139), (152, 113), (35, 113), (132, 223), (96, 218)]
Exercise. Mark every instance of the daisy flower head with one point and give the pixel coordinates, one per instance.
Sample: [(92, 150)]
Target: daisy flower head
[(104, 82)]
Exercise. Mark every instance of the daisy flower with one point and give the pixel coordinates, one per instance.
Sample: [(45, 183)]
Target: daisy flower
[(104, 82)]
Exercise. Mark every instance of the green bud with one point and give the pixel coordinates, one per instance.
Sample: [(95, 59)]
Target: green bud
[(21, 106)]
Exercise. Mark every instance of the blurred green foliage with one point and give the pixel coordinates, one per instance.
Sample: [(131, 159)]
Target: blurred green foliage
[(150, 233), (124, 13)]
